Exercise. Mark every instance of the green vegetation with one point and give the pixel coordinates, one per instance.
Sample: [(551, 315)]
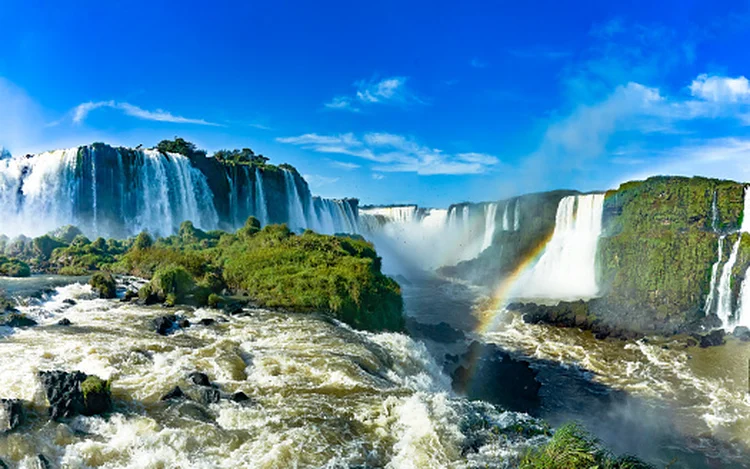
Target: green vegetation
[(339, 276), (104, 283), (94, 385), (572, 447), (10, 267), (244, 156), (656, 255)]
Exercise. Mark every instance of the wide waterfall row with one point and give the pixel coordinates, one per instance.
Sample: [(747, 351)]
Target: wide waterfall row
[(103, 193), (430, 238), (120, 192)]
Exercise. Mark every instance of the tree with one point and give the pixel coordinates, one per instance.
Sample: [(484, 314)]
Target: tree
[(181, 146)]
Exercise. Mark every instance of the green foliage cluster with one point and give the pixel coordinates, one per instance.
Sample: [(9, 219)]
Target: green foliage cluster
[(244, 156), (659, 245), (572, 447), (94, 385), (339, 276), (181, 146), (10, 267), (105, 284)]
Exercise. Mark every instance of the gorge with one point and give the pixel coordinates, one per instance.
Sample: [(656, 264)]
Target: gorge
[(485, 286)]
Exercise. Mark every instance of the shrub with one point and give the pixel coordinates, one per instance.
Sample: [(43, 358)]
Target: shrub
[(105, 284), (10, 267)]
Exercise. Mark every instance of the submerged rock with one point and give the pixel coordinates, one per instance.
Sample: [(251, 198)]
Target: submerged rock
[(104, 284), (75, 393), (742, 333), (175, 394), (210, 395), (69, 302), (712, 339), (16, 320), (12, 414), (239, 396), (441, 332), (64, 322), (201, 379)]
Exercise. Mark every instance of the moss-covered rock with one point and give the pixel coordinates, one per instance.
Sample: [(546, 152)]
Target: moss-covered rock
[(104, 284), (10, 267)]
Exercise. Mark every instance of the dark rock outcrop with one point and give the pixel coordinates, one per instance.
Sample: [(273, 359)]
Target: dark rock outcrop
[(712, 339), (165, 325), (64, 322), (12, 414), (16, 320), (742, 333), (175, 394), (200, 379), (74, 393), (441, 332)]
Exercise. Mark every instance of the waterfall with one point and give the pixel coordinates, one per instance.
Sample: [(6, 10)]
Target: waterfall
[(490, 211), (567, 268), (714, 271), (297, 219), (725, 310), (506, 219), (261, 208), (517, 216)]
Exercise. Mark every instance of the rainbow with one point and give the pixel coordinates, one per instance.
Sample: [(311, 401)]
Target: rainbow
[(492, 312)]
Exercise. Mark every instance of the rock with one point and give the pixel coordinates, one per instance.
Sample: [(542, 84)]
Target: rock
[(16, 320), (12, 414), (74, 393), (442, 332), (3, 465), (42, 462), (210, 395), (174, 394), (712, 339), (207, 322), (239, 396), (742, 333), (183, 323), (165, 324), (232, 309), (64, 322), (104, 284), (69, 302), (201, 379)]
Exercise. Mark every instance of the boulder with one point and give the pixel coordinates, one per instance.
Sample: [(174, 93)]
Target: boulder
[(239, 396), (175, 394), (69, 302), (16, 320), (742, 333), (42, 462), (12, 414), (209, 395), (200, 379), (712, 339), (165, 324), (232, 309), (207, 322), (74, 393), (64, 322), (104, 284)]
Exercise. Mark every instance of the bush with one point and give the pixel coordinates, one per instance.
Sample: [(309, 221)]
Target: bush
[(13, 267), (572, 447), (105, 284), (214, 300)]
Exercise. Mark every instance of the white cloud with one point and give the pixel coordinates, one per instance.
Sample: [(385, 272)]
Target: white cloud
[(720, 89), (316, 181), (391, 91), (476, 63), (395, 153), (345, 165), (378, 176), (82, 111)]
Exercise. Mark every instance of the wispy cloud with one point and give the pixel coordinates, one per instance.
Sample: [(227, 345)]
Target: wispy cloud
[(391, 91), (477, 63), (81, 112), (316, 181), (378, 176), (395, 153), (540, 53), (345, 165)]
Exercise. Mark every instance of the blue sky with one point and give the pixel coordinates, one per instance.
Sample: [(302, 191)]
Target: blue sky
[(420, 102)]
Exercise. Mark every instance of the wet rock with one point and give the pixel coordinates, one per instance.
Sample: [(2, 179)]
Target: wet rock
[(129, 296), (12, 414), (210, 395), (75, 393), (183, 323), (200, 379), (64, 322), (742, 333), (42, 462), (16, 320), (712, 339), (165, 324), (239, 396), (207, 322), (104, 284), (175, 394), (3, 465), (488, 373), (69, 302), (441, 332), (232, 309)]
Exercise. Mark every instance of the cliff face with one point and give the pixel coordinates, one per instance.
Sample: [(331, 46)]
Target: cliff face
[(118, 192), (672, 253)]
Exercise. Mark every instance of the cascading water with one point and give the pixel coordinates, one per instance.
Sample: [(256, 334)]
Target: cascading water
[(731, 317), (261, 207), (567, 268), (489, 224), (517, 216)]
